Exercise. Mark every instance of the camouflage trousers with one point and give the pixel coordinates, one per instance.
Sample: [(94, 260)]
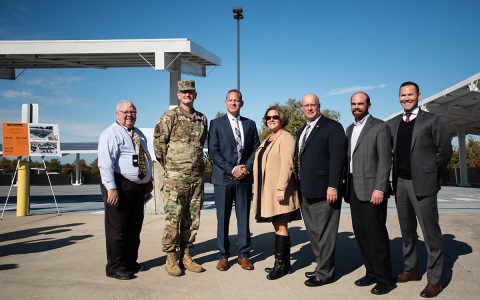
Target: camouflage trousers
[(183, 200)]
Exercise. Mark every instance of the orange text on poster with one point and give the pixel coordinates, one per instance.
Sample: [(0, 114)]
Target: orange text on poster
[(15, 139)]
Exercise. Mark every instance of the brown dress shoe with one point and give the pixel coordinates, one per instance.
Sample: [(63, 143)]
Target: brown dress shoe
[(222, 264), (406, 277), (245, 263), (431, 290)]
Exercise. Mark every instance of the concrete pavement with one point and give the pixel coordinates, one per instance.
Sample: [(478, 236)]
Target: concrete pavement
[(87, 199), (63, 257)]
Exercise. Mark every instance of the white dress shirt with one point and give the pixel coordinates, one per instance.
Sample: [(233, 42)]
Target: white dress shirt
[(233, 124), (115, 151), (357, 129), (233, 120), (312, 125), (413, 114)]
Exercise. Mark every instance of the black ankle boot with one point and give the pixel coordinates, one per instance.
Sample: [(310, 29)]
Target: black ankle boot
[(279, 270)]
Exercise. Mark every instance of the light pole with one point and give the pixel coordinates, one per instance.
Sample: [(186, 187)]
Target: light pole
[(238, 15)]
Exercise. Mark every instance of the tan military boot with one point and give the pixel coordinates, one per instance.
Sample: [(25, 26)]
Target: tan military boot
[(171, 264), (189, 263)]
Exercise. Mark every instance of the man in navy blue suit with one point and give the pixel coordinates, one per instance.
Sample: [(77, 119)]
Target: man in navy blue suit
[(320, 155), (232, 143)]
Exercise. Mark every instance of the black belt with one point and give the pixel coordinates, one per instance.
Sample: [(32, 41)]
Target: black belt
[(120, 177)]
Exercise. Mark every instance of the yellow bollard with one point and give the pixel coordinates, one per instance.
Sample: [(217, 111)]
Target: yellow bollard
[(22, 189)]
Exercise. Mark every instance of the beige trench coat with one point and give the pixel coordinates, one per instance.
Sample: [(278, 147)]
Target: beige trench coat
[(277, 174)]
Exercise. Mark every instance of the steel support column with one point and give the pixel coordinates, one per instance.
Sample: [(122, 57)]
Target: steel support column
[(462, 157)]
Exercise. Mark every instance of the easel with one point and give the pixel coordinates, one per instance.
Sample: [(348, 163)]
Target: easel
[(13, 180)]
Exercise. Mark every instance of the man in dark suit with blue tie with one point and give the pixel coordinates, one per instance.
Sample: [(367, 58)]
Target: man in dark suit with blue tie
[(320, 156), (232, 143), (421, 151)]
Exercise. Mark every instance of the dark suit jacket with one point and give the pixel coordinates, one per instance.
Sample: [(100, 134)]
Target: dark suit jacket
[(223, 151), (372, 158), (430, 152), (322, 159)]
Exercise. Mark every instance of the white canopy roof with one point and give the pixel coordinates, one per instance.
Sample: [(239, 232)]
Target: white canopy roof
[(174, 55)]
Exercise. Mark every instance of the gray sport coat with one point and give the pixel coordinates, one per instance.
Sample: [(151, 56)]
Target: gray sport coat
[(430, 152), (372, 158)]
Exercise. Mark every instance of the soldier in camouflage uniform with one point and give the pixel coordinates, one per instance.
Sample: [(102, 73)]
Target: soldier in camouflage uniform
[(178, 141)]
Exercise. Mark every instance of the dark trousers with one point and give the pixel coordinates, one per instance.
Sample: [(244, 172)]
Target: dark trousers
[(371, 233), (225, 195), (409, 209), (123, 223), (321, 221)]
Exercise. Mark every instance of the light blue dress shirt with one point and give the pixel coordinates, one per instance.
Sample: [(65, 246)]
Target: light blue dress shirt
[(115, 151)]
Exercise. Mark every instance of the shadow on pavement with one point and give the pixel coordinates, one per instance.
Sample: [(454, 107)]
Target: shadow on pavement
[(39, 239), (8, 267), (347, 256), (453, 249)]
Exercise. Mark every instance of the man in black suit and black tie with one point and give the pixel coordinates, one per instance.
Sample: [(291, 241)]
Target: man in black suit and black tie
[(421, 151), (369, 164), (232, 142), (320, 155)]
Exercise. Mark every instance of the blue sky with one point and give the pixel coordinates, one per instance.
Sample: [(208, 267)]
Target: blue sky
[(288, 48)]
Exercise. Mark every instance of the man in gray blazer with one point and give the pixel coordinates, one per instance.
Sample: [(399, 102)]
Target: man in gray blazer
[(421, 152), (369, 163)]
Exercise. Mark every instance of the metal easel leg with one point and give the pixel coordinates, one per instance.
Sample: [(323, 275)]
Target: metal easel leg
[(51, 188), (11, 185)]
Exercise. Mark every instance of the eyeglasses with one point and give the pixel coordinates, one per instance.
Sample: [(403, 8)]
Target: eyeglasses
[(133, 113), (191, 92), (276, 117)]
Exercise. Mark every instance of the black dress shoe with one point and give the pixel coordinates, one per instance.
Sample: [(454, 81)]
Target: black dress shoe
[(310, 274), (313, 282), (382, 288), (121, 275), (365, 281)]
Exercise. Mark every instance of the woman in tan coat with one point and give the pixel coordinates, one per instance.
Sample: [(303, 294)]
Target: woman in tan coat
[(275, 194)]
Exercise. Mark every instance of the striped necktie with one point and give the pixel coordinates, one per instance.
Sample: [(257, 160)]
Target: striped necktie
[(304, 139), (142, 159), (238, 140), (302, 146)]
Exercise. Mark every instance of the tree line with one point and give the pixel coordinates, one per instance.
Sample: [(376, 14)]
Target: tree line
[(53, 165), (472, 154)]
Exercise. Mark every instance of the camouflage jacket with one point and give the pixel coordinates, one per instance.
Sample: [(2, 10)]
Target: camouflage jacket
[(178, 141)]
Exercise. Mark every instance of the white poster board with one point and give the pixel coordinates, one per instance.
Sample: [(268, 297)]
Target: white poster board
[(44, 139)]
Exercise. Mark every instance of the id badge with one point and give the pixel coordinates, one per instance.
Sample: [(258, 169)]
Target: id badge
[(135, 160)]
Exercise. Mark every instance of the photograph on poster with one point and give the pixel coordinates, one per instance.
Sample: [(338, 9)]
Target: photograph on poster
[(43, 149), (44, 140), (43, 132)]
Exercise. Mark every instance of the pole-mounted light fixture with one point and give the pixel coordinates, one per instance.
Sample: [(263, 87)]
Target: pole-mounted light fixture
[(238, 15)]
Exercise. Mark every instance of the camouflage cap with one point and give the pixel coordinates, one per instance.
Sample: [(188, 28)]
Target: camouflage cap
[(186, 85)]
